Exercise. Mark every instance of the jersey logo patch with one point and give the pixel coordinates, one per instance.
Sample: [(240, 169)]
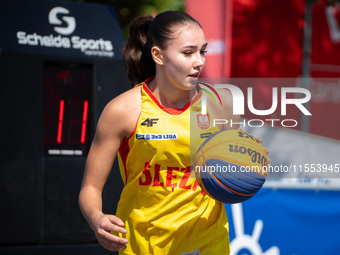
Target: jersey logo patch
[(156, 136), (149, 122), (203, 121)]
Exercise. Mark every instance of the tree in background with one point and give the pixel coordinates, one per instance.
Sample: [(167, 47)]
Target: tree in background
[(128, 10)]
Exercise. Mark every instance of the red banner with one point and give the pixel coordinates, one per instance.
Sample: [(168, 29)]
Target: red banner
[(267, 39), (215, 18), (325, 70)]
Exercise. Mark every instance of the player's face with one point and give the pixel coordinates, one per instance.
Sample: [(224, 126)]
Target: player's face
[(184, 58)]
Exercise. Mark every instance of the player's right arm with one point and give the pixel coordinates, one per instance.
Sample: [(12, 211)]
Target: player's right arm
[(116, 122)]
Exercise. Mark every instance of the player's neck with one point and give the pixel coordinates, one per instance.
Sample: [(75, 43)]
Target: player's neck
[(169, 95)]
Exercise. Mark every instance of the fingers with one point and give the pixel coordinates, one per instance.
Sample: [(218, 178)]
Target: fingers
[(112, 242), (110, 227), (266, 150), (115, 220), (107, 225)]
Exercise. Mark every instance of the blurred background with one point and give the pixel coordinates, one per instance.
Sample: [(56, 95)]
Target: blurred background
[(61, 62)]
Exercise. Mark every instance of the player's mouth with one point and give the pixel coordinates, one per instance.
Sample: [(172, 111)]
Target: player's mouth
[(194, 75)]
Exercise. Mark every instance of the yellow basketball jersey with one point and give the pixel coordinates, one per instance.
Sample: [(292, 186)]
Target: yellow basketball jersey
[(164, 209)]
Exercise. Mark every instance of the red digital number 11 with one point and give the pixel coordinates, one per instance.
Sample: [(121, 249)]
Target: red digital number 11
[(61, 121)]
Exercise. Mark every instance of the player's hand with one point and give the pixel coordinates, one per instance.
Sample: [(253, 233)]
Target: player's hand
[(265, 148), (260, 141), (103, 225)]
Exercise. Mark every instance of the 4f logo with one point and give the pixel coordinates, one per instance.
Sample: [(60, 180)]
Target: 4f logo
[(149, 122)]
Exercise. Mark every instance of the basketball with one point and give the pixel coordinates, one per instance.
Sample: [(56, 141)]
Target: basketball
[(231, 166)]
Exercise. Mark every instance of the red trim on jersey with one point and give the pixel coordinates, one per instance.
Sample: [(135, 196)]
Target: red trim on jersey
[(173, 111), (134, 131), (124, 148)]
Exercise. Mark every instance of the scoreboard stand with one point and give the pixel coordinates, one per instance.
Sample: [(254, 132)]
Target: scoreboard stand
[(61, 63)]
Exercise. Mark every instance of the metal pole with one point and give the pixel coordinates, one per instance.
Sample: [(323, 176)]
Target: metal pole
[(306, 60)]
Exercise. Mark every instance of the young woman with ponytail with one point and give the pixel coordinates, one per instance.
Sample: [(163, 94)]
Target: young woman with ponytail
[(162, 209)]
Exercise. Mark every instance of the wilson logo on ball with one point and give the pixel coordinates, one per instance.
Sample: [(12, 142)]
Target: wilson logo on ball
[(231, 166)]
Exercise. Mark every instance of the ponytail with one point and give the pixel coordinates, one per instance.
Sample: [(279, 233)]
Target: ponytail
[(137, 54), (146, 32)]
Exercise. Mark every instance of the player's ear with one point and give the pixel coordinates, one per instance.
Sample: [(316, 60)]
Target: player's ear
[(157, 56)]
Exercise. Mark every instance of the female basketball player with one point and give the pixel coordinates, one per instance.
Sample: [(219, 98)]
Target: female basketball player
[(162, 210)]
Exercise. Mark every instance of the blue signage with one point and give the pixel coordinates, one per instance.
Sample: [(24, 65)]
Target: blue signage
[(286, 222)]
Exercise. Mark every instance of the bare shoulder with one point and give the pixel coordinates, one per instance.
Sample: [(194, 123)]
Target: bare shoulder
[(126, 102), (121, 113)]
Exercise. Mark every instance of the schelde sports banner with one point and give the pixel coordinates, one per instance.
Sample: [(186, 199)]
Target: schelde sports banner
[(59, 28)]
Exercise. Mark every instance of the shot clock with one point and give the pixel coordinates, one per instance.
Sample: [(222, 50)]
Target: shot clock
[(66, 109), (52, 95)]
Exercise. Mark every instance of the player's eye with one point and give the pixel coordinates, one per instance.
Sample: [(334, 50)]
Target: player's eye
[(203, 52)]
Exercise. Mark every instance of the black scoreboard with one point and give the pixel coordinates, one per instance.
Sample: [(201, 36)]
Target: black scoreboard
[(60, 64), (66, 110)]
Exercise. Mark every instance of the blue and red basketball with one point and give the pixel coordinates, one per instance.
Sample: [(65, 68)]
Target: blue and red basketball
[(231, 166)]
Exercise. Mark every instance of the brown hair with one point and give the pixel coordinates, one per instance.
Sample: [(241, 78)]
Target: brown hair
[(144, 33)]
